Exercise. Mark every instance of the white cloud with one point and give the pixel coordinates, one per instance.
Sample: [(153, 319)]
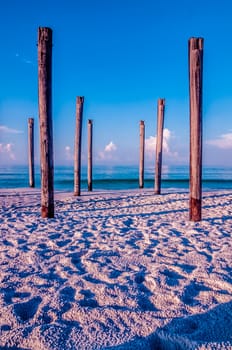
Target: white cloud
[(27, 61), (109, 152), (7, 150), (150, 145), (166, 139), (6, 129), (110, 147), (68, 153), (224, 141)]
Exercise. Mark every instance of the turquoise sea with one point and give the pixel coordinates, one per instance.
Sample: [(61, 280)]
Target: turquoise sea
[(119, 177)]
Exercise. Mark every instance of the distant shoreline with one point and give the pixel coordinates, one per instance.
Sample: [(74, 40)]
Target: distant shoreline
[(120, 178)]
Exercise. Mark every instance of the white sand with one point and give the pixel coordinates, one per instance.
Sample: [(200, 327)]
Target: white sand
[(115, 270)]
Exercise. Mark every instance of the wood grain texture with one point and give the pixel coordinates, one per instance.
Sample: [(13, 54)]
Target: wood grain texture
[(141, 153), (159, 144), (77, 145), (195, 94), (45, 120), (90, 155), (31, 152)]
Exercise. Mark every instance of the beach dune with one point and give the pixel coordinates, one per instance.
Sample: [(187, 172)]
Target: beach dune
[(115, 270)]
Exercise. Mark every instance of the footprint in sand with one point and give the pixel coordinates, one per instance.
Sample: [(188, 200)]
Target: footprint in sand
[(25, 311), (63, 243), (115, 274), (172, 277), (68, 293), (89, 299), (66, 298), (5, 327), (76, 261), (128, 222), (140, 277), (10, 294), (192, 291), (187, 268), (54, 236)]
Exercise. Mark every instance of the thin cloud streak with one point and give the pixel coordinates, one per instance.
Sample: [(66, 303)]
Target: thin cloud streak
[(7, 130), (24, 60), (224, 141)]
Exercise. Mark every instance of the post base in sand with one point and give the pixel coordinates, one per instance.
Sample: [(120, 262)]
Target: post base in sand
[(47, 212), (195, 209)]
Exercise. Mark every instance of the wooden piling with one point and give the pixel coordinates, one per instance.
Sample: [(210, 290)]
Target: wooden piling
[(159, 144), (195, 47), (77, 146), (90, 154), (141, 153), (31, 152), (45, 120)]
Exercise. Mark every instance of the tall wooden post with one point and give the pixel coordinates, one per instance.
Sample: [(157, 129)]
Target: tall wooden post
[(45, 120), (141, 153), (159, 144), (77, 146), (195, 93), (90, 154), (31, 152)]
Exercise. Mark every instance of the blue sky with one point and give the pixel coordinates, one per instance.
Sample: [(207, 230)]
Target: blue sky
[(122, 55)]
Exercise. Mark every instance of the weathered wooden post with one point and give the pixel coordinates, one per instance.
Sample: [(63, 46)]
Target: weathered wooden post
[(141, 153), (90, 154), (31, 152), (45, 120), (77, 146), (195, 93), (159, 144)]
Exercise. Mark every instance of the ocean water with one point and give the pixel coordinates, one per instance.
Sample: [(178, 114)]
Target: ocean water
[(119, 177)]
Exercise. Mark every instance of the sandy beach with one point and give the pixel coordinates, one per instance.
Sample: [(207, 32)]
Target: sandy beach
[(115, 270)]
